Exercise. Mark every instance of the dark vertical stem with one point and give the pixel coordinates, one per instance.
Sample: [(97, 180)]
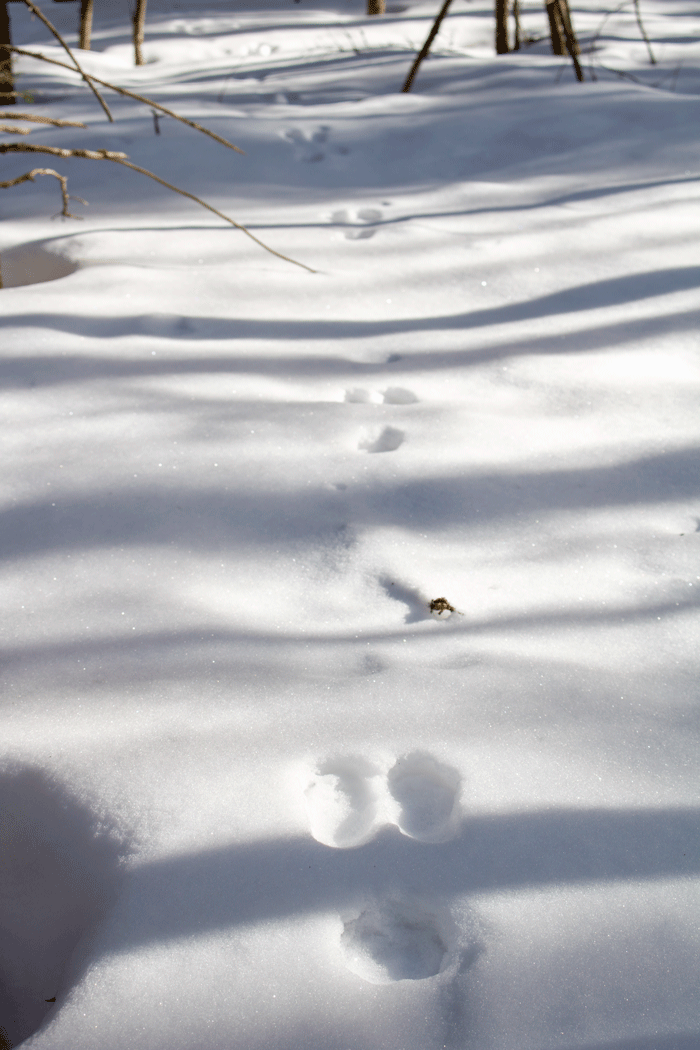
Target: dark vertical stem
[(643, 31), (571, 41), (139, 24), (7, 85), (426, 46), (556, 31), (85, 24), (516, 23), (502, 27), (375, 7), (568, 26)]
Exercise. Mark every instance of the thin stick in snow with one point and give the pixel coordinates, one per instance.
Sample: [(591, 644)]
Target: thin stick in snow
[(642, 30), (139, 26), (426, 46), (43, 120), (131, 94), (121, 158), (85, 24), (29, 177), (64, 45)]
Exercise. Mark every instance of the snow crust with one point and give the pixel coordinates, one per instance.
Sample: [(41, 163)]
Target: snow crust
[(252, 793)]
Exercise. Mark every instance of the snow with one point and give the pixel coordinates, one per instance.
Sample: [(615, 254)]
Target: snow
[(253, 792)]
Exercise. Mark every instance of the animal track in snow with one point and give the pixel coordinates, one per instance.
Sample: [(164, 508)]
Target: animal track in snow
[(312, 146), (396, 941), (398, 395), (341, 802), (388, 439), (427, 794), (348, 800), (358, 396), (393, 395), (359, 220)]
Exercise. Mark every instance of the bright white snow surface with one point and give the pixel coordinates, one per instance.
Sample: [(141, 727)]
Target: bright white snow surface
[(253, 794)]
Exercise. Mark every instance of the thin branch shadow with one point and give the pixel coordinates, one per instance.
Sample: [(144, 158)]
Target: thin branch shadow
[(61, 870)]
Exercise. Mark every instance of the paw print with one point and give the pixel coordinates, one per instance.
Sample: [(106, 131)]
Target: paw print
[(312, 145), (359, 223), (398, 937), (348, 800)]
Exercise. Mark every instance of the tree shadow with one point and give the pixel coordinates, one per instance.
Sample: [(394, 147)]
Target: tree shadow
[(596, 295), (61, 869), (214, 519), (271, 880)]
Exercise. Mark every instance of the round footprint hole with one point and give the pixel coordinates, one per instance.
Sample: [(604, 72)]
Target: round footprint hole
[(427, 796), (341, 802), (395, 941), (387, 440)]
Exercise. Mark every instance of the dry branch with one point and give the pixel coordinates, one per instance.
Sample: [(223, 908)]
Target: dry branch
[(85, 24), (572, 44), (43, 120), (121, 158), (434, 30), (139, 23), (29, 177), (642, 30), (131, 94), (59, 151), (70, 54)]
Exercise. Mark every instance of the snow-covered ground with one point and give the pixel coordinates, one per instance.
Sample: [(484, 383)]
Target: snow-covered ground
[(253, 794)]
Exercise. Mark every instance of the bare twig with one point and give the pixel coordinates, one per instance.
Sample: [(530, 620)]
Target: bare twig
[(43, 120), (571, 41), (59, 151), (516, 23), (139, 22), (35, 10), (29, 177), (642, 30), (85, 24), (435, 29), (14, 131), (131, 94), (556, 30), (599, 30), (121, 158)]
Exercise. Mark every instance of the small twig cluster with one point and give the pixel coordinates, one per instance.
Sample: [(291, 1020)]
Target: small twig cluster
[(103, 154), (29, 177)]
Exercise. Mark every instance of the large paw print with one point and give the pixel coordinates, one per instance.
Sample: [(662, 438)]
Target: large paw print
[(397, 940), (427, 795), (342, 802), (348, 800)]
